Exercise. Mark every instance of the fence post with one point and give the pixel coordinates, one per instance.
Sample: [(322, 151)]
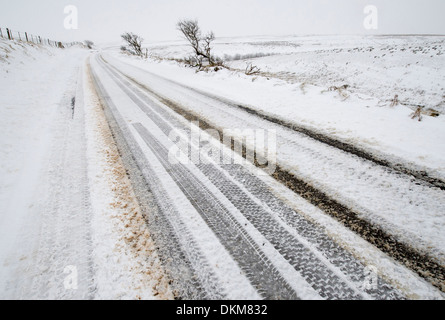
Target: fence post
[(31, 38)]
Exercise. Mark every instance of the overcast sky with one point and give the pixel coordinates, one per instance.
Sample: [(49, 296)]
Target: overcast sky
[(155, 20)]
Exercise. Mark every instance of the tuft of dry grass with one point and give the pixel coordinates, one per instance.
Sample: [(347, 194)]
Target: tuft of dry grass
[(417, 114), (252, 69), (395, 101)]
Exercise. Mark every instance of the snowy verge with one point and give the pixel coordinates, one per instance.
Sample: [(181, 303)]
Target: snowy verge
[(33, 80), (36, 86)]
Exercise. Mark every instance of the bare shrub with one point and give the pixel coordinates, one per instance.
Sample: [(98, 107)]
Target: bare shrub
[(194, 61), (252, 69), (201, 45), (134, 42), (89, 44)]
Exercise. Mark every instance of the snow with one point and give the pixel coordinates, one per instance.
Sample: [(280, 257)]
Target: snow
[(236, 286), (399, 276), (34, 81), (27, 106), (66, 208), (298, 71), (59, 210), (127, 264), (411, 212)]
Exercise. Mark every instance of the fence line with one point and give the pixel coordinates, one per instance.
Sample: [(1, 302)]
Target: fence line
[(9, 34)]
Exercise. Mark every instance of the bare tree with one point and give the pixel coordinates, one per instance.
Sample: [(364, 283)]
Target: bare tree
[(134, 42), (202, 45), (192, 33), (89, 44), (207, 46)]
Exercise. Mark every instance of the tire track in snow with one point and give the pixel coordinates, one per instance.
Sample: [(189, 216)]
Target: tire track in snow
[(187, 268), (64, 245), (398, 167), (328, 284), (419, 262), (258, 268)]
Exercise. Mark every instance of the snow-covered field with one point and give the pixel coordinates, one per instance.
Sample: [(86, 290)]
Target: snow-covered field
[(380, 66), (297, 74)]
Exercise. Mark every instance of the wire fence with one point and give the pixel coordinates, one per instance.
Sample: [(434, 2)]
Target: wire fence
[(9, 34)]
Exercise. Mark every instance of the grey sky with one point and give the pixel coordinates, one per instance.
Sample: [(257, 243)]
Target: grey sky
[(105, 20)]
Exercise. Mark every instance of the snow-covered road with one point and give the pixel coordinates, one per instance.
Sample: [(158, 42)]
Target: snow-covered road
[(234, 233), (125, 178)]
